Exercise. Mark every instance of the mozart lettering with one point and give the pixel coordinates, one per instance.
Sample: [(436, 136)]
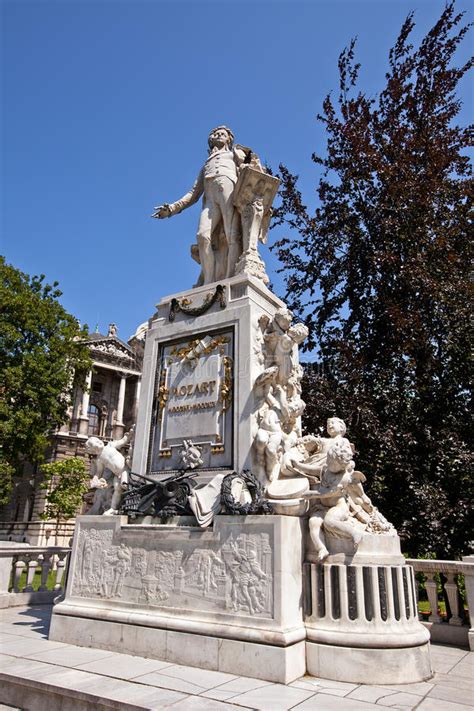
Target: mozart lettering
[(194, 393)]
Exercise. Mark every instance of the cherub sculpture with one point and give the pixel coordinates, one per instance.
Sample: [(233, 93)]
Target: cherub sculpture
[(317, 449), (331, 513), (280, 390), (110, 458), (280, 337)]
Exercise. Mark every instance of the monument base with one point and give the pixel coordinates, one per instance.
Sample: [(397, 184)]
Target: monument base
[(261, 661), (226, 598), (358, 665)]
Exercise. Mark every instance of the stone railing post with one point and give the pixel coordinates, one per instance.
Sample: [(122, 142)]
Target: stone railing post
[(45, 568), (18, 567), (469, 582), (452, 592), (432, 592), (32, 564), (60, 566)]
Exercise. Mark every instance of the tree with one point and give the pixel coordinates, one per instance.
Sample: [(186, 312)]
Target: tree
[(41, 358), (65, 481), (380, 275)]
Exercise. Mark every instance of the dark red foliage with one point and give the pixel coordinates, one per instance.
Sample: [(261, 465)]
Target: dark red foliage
[(380, 274)]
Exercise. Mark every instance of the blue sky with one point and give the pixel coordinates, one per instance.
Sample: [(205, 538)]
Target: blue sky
[(106, 111)]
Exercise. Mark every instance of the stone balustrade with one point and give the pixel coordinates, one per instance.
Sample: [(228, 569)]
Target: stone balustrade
[(16, 559), (452, 628)]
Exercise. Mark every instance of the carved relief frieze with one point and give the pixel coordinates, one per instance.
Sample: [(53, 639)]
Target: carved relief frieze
[(234, 575), (101, 567)]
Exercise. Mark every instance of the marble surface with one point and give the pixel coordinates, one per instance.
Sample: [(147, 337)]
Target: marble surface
[(31, 668)]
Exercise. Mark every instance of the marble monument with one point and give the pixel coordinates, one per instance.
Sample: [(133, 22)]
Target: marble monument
[(241, 544)]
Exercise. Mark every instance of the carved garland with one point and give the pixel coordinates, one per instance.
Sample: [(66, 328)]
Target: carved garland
[(185, 350), (226, 387), (183, 305)]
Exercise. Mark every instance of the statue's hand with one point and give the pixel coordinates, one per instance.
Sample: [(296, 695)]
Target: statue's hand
[(162, 211)]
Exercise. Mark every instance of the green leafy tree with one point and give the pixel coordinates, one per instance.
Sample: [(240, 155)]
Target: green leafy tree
[(380, 275), (66, 482), (41, 359)]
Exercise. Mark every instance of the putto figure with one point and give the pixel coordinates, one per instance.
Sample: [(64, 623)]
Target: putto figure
[(219, 237), (109, 457)]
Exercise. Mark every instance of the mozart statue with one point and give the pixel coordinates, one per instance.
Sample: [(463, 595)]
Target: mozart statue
[(220, 241)]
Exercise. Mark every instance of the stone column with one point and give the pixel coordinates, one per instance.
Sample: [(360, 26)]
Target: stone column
[(119, 426), (84, 414), (137, 398), (76, 410)]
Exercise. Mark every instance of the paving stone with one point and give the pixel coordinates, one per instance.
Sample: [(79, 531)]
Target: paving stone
[(242, 684), (7, 638), (430, 704), (451, 693), (196, 703), (420, 688), (22, 647), (125, 691), (69, 656), (19, 666), (442, 665), (326, 686), (274, 697), (218, 695), (465, 667), (8, 628), (169, 682), (202, 677), (371, 694), (123, 666), (307, 682), (326, 702), (400, 700), (451, 680)]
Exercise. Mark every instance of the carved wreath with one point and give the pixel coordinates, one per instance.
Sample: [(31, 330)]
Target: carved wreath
[(258, 505)]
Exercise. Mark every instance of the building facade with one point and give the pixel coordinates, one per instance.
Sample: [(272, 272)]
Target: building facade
[(106, 407)]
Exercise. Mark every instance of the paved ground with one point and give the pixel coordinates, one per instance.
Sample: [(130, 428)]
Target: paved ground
[(26, 652)]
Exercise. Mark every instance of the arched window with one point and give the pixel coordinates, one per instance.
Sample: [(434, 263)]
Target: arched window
[(94, 420)]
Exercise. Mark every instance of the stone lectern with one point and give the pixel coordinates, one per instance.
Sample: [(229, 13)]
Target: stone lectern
[(249, 546)]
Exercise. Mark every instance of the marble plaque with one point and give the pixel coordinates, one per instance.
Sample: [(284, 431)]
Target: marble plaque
[(193, 402)]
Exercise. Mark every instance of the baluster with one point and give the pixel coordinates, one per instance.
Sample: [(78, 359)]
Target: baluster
[(30, 574), (45, 568), (452, 592), (17, 571), (416, 583), (432, 591), (60, 565)]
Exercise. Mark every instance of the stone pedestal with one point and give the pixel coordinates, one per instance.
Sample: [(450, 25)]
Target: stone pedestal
[(202, 355), (361, 615), (227, 599)]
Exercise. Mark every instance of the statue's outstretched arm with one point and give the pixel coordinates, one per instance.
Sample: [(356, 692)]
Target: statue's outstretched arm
[(190, 198), (119, 443)]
